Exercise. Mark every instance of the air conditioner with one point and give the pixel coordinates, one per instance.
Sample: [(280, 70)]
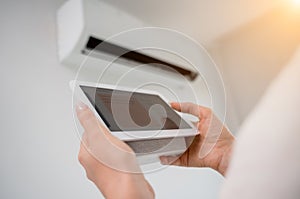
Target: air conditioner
[(84, 24)]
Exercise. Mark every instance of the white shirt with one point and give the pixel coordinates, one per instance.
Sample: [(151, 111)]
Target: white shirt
[(266, 159)]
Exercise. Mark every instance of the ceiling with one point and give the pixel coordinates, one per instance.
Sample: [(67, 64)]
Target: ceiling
[(205, 21)]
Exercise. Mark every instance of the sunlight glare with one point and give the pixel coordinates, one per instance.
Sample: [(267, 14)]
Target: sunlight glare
[(297, 2)]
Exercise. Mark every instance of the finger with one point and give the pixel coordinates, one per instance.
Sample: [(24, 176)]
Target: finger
[(88, 120), (82, 153), (170, 160), (187, 107), (196, 124), (84, 139), (84, 144), (96, 136), (212, 136)]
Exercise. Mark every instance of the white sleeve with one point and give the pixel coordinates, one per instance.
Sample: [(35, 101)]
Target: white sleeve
[(266, 158)]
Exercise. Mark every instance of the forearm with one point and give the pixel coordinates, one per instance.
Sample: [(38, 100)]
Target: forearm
[(127, 186)]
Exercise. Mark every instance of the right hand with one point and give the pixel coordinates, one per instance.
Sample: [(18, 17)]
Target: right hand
[(211, 147)]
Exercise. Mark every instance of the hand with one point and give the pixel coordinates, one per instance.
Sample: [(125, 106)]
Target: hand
[(109, 162), (211, 148)]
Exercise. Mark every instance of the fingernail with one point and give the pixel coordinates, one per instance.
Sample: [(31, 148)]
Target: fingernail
[(81, 106), (163, 160)]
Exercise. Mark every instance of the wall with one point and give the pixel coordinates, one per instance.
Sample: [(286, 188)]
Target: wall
[(38, 145), (252, 55)]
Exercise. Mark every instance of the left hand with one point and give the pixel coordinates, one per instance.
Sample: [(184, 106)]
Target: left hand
[(108, 161), (212, 147)]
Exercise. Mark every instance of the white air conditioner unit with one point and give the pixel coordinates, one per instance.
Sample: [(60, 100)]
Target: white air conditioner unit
[(84, 24)]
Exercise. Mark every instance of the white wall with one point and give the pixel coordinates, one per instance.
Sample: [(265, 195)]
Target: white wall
[(252, 55), (38, 145)]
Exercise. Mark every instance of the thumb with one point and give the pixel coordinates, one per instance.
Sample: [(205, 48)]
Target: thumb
[(89, 122), (170, 160)]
